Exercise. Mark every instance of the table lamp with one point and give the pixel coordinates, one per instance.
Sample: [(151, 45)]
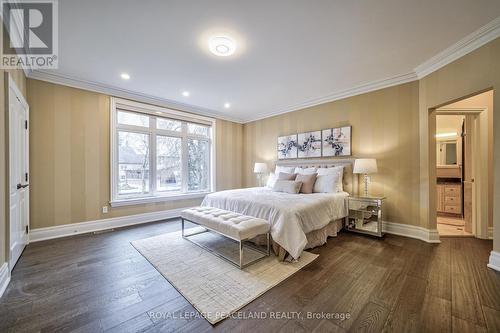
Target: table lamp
[(260, 169), (365, 166)]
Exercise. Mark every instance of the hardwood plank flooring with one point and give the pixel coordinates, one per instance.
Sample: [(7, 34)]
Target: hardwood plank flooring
[(100, 283)]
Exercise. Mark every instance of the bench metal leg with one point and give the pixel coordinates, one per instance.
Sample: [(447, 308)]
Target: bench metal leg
[(241, 254), (240, 245)]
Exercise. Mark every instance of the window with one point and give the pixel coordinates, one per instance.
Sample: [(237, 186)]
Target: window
[(158, 154)]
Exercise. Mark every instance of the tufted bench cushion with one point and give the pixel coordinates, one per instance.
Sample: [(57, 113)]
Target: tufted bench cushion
[(233, 225)]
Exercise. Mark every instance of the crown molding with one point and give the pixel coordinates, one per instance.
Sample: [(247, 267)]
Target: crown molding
[(73, 82), (357, 90), (471, 42)]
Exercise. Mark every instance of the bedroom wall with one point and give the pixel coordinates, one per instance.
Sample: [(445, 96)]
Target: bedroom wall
[(20, 79), (384, 126), (475, 72), (69, 157)]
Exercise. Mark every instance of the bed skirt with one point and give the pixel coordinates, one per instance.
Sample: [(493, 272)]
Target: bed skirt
[(314, 238)]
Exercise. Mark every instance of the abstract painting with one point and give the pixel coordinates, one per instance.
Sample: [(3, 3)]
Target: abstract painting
[(336, 141), (309, 144), (287, 146)]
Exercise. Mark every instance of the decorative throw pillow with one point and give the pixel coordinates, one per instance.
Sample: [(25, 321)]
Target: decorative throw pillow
[(271, 179), (286, 176), (306, 171), (287, 186), (329, 180), (307, 182), (283, 169)]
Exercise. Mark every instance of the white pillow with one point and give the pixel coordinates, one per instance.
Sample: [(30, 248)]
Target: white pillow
[(271, 179), (283, 169), (287, 186), (306, 171), (329, 180)]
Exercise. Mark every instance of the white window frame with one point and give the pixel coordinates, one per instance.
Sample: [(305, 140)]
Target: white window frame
[(117, 104)]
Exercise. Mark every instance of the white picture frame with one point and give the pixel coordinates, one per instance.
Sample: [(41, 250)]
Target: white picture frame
[(309, 144), (287, 147), (336, 141)]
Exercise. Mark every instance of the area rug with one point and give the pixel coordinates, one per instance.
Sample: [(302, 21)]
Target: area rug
[(212, 285)]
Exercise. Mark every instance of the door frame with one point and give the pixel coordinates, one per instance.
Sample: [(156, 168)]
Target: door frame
[(479, 224), (9, 83)]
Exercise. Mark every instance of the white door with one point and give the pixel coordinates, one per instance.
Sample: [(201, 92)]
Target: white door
[(19, 173)]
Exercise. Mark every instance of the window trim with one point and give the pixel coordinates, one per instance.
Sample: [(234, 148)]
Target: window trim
[(117, 104)]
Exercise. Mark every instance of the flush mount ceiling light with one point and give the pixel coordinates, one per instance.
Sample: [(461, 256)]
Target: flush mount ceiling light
[(227, 105), (185, 93), (221, 46), (125, 76)]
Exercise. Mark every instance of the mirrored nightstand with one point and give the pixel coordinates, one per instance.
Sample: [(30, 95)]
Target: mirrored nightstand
[(365, 215)]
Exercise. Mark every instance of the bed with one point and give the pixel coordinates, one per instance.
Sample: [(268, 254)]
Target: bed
[(298, 221)]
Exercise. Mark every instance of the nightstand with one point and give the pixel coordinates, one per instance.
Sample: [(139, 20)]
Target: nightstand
[(364, 215)]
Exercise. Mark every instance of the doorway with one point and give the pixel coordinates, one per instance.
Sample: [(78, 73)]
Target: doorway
[(464, 166), (451, 159), (18, 114)]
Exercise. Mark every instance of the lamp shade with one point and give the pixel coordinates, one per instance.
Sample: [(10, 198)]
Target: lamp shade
[(260, 168), (365, 165)]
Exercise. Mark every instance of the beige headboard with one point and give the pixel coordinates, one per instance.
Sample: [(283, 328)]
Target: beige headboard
[(350, 180)]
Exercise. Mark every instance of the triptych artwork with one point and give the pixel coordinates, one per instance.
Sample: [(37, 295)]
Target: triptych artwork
[(329, 142)]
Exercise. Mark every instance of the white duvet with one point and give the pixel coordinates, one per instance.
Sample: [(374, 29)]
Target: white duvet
[(291, 216)]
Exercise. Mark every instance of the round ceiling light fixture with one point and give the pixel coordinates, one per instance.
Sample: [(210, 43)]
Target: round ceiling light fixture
[(221, 46), (125, 76)]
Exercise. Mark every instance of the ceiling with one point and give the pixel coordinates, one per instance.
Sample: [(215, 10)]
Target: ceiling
[(289, 54)]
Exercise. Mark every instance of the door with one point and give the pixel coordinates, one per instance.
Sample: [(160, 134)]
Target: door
[(18, 173), (467, 175)]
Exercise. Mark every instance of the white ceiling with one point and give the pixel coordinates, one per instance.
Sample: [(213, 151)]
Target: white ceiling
[(289, 52)]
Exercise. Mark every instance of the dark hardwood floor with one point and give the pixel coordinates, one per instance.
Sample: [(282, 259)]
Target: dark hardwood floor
[(94, 283)]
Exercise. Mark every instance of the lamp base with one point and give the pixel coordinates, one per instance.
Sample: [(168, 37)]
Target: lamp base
[(367, 179), (259, 179)]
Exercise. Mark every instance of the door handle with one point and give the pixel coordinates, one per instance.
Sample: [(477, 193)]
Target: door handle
[(20, 186)]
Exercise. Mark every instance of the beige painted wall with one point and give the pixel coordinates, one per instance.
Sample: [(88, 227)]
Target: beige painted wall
[(447, 124), (69, 157), (20, 79), (476, 72), (384, 126)]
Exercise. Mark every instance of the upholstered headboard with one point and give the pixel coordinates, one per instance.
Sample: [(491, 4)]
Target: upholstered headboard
[(350, 181)]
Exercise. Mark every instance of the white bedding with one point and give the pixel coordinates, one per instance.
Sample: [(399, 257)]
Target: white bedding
[(291, 216)]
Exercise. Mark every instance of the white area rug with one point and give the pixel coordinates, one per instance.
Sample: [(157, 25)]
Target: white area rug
[(212, 285)]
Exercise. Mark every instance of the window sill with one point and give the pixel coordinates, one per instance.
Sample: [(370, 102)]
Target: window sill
[(165, 198)]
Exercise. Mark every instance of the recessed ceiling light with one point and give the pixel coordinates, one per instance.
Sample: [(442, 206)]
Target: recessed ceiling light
[(185, 93), (227, 105), (125, 76), (221, 46)]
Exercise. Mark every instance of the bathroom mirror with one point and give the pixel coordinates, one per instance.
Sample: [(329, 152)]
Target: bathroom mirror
[(447, 153)]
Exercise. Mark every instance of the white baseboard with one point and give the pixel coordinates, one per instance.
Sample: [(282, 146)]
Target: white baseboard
[(4, 277), (490, 232), (411, 231), (494, 262), (65, 230)]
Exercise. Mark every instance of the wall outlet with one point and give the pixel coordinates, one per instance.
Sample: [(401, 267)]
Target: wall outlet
[(104, 209)]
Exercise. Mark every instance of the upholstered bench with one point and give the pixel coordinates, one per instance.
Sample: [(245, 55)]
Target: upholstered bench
[(232, 225)]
